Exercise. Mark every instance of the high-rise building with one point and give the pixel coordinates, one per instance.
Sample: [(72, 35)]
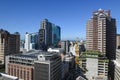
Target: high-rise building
[(101, 33), (49, 34), (14, 43), (56, 32), (101, 36), (9, 43), (31, 41), (3, 44), (118, 41)]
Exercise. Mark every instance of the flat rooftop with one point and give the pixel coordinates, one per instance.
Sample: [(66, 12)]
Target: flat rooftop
[(34, 54)]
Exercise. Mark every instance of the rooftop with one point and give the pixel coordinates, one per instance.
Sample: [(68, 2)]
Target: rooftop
[(34, 54), (8, 76)]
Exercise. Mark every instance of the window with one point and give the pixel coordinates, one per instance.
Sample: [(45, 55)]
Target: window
[(24, 75), (21, 73), (27, 75)]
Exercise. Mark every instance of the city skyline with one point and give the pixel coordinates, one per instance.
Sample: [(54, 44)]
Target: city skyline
[(71, 16)]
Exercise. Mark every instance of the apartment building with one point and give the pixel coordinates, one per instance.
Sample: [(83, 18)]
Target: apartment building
[(101, 33)]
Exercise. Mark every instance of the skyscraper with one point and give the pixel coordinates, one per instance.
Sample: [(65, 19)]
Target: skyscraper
[(9, 43), (49, 34), (101, 36), (56, 32), (101, 33)]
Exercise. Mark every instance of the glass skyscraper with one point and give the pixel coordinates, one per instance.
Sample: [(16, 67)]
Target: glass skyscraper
[(55, 34), (49, 34)]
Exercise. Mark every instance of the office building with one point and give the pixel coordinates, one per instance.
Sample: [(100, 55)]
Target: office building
[(31, 41), (20, 65), (49, 34), (101, 33), (45, 33), (68, 66), (14, 43), (56, 35), (65, 45), (118, 41), (9, 43), (34, 65), (48, 67)]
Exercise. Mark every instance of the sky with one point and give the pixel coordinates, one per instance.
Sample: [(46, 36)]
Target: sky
[(71, 15)]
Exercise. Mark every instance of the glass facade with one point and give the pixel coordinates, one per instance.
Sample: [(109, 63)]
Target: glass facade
[(55, 34), (31, 41), (34, 41), (49, 34)]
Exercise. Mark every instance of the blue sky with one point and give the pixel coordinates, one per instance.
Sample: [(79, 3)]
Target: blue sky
[(71, 15)]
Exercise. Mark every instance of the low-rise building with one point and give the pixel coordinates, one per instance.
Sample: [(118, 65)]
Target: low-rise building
[(34, 65), (94, 64), (117, 65), (48, 67)]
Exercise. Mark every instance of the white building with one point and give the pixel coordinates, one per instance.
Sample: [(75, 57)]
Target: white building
[(27, 41), (117, 65), (31, 41), (76, 48), (95, 66), (92, 67)]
